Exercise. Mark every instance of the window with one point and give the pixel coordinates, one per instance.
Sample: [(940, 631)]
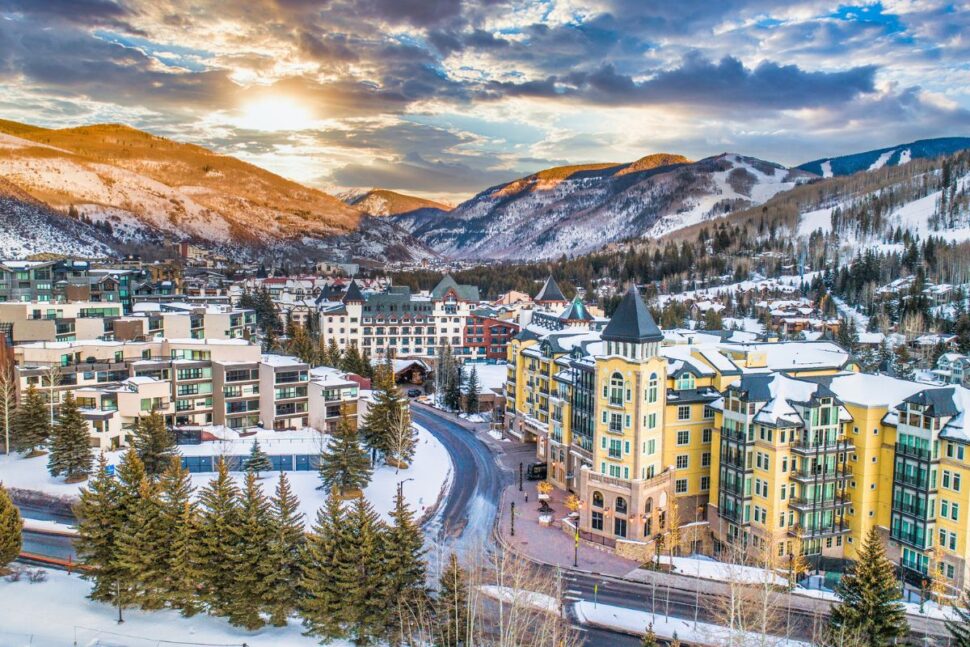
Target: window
[(683, 412), (652, 388), (705, 483), (651, 446), (683, 437), (682, 462), (706, 459), (597, 521), (597, 499), (706, 436), (680, 486), (955, 511), (685, 382), (652, 421), (621, 505), (616, 389), (619, 527), (648, 507), (708, 412)]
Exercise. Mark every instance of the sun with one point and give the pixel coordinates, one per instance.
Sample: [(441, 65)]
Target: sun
[(275, 112)]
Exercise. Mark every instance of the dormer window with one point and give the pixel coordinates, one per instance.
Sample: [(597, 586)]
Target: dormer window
[(685, 382)]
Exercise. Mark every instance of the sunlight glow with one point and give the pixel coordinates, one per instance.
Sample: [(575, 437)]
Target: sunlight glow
[(275, 113)]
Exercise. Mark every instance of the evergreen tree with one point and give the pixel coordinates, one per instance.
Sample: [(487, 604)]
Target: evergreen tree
[(334, 355), (140, 547), (70, 453), (301, 345), (451, 605), (649, 638), (324, 607), (285, 550), (453, 389), (352, 362), (870, 607), (958, 629), (365, 585), (99, 522), (406, 569), (253, 535), (180, 521), (258, 460), (385, 413), (473, 389), (217, 541), (154, 443), (31, 424), (344, 465), (11, 527)]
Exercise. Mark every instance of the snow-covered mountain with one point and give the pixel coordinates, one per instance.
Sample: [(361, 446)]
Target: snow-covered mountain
[(383, 202), (894, 156), (577, 209), (143, 189)]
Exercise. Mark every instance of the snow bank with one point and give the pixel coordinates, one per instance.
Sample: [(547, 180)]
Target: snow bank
[(709, 569), (530, 599)]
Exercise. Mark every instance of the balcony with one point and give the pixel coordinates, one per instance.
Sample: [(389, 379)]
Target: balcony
[(818, 531), (911, 538), (808, 449), (914, 452), (920, 511), (914, 480), (819, 476), (807, 505)]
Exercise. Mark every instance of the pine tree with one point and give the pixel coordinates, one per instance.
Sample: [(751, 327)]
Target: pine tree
[(180, 520), (406, 569), (473, 388), (258, 460), (352, 362), (217, 545), (31, 424), (649, 638), (366, 589), (11, 528), (334, 355), (99, 522), (324, 607), (451, 605), (140, 546), (959, 629), (70, 453), (253, 535), (453, 389), (301, 345), (344, 464), (870, 605), (154, 443), (385, 413), (285, 550)]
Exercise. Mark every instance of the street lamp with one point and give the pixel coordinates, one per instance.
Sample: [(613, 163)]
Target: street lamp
[(400, 486)]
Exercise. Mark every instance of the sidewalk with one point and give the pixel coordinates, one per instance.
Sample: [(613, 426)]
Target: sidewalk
[(548, 544)]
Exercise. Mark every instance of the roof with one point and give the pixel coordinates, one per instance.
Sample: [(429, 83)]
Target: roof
[(576, 311), (632, 321), (464, 292), (353, 293), (550, 291)]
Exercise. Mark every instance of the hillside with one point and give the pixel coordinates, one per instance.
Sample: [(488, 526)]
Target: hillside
[(894, 156), (382, 202), (577, 209), (145, 188)]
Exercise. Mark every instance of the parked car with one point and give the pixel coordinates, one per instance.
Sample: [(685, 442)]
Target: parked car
[(536, 472), (413, 393)]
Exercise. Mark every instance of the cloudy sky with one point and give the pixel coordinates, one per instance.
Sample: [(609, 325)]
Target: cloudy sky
[(446, 97)]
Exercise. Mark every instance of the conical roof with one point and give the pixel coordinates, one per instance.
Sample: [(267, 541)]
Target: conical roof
[(550, 291), (353, 293), (632, 321), (576, 311)]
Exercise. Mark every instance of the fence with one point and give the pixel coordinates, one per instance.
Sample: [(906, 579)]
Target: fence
[(280, 462)]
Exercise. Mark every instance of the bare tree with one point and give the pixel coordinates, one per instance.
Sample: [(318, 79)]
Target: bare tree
[(403, 439), (752, 611), (8, 402), (51, 379)]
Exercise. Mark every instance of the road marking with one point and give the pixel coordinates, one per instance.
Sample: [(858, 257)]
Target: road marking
[(574, 592)]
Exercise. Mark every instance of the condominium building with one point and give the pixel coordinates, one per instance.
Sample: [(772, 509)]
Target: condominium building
[(65, 280)]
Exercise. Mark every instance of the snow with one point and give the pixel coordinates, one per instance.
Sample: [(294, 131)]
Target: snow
[(49, 527), (491, 377), (431, 472), (57, 613), (827, 168), (531, 599), (710, 569), (634, 621), (905, 156), (882, 159)]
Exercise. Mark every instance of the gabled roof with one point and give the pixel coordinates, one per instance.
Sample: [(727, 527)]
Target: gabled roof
[(550, 292), (632, 321), (464, 292), (353, 294)]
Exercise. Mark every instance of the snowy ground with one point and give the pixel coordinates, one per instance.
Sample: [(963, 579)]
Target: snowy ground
[(56, 613), (430, 473), (635, 622), (709, 569)]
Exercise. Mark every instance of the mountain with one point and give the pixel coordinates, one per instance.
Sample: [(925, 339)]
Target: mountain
[(875, 159), (382, 202), (576, 209), (146, 188)]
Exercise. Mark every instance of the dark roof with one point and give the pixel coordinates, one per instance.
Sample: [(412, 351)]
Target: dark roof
[(550, 291), (353, 293), (632, 321), (576, 311), (939, 401), (464, 292)]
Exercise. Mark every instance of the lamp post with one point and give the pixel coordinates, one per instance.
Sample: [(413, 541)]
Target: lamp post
[(400, 486), (118, 598), (512, 517), (520, 477)]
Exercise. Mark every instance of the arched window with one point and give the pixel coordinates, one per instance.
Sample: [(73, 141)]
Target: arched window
[(621, 505), (597, 499), (616, 389), (648, 508), (652, 388)]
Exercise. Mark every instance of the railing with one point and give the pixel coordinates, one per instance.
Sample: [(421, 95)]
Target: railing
[(813, 448), (801, 503), (915, 452), (919, 511), (912, 538), (823, 475), (916, 480)]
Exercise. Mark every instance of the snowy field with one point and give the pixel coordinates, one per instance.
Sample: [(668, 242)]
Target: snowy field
[(56, 613), (709, 569), (430, 473)]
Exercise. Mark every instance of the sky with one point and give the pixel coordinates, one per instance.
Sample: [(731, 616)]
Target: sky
[(444, 98)]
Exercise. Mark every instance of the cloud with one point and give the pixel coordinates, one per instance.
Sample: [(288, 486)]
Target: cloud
[(414, 173)]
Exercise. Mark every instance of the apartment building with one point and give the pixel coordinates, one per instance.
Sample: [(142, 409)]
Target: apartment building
[(488, 332), (193, 382), (27, 321), (64, 280), (398, 321)]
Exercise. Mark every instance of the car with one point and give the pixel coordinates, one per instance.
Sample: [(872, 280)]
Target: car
[(536, 472), (413, 393)]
